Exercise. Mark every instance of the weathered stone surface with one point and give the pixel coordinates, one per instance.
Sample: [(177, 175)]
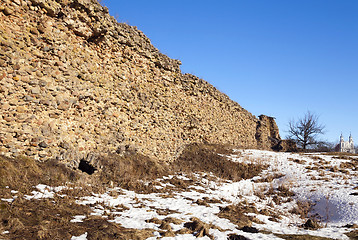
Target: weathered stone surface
[(74, 82)]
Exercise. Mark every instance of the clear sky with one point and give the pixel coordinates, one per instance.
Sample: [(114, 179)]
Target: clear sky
[(274, 57)]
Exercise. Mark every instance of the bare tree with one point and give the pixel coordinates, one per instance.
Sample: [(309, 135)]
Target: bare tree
[(305, 130)]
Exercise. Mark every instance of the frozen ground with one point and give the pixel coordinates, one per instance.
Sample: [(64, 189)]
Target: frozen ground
[(328, 183)]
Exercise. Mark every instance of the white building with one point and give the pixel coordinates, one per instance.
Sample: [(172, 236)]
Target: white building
[(346, 146)]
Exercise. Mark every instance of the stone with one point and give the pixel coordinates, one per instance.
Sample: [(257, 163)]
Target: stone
[(35, 90), (5, 106), (2, 63), (17, 2), (7, 11), (63, 106), (2, 74), (28, 98), (34, 31), (43, 145), (64, 145)]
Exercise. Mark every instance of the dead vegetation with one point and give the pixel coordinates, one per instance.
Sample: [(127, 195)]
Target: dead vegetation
[(299, 161), (270, 178), (340, 155), (22, 173), (131, 171), (237, 214), (236, 237), (206, 158), (301, 237), (198, 228), (312, 224), (352, 164), (274, 215), (48, 218), (51, 219), (194, 227), (353, 235), (302, 209)]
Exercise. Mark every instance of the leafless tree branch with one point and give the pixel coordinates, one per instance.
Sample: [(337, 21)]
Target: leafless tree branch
[(305, 130)]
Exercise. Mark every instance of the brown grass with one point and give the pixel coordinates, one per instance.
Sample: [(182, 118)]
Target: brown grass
[(353, 164), (302, 209), (301, 237), (317, 158), (198, 228), (274, 215), (22, 173), (205, 158), (50, 218), (237, 214), (236, 237), (180, 184), (353, 235), (131, 171), (270, 178), (299, 161), (343, 155)]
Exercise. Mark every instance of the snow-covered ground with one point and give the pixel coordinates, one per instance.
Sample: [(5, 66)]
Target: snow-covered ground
[(313, 178)]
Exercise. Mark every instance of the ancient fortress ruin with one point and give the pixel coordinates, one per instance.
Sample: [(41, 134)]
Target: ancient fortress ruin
[(75, 83)]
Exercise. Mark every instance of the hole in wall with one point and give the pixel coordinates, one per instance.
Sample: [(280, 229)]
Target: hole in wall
[(86, 167)]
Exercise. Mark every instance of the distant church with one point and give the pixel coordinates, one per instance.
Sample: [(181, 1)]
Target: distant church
[(345, 146)]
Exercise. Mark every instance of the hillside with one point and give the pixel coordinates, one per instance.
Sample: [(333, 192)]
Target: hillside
[(268, 196), (75, 84)]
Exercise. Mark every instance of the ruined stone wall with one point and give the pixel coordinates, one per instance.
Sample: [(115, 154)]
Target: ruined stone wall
[(74, 83)]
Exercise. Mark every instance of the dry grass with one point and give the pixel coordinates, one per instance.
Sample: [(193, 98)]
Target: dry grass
[(317, 158), (270, 178), (237, 214), (198, 228), (353, 235), (51, 218), (301, 237), (352, 164), (131, 171), (302, 209), (274, 215), (281, 194), (342, 155), (20, 173), (299, 161), (236, 237), (206, 158)]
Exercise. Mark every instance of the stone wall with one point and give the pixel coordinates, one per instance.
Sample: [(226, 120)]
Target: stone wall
[(74, 83)]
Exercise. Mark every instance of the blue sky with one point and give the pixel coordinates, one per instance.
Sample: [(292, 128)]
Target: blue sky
[(279, 58)]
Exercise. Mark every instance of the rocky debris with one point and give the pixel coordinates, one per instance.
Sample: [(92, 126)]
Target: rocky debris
[(74, 82)]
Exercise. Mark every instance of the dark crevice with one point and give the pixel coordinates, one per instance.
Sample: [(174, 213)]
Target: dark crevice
[(86, 167)]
